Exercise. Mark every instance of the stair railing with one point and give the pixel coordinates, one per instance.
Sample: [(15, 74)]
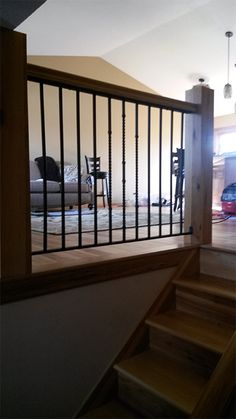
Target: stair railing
[(15, 191), (154, 173)]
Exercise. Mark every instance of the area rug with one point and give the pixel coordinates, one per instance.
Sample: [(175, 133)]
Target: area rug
[(58, 213), (54, 225)]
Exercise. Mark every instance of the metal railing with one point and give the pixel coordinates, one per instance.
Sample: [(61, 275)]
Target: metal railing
[(141, 139)]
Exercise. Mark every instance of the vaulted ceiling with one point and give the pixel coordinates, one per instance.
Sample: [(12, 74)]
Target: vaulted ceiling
[(13, 12), (167, 45)]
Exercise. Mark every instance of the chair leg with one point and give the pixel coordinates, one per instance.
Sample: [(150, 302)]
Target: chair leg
[(107, 192), (103, 194)]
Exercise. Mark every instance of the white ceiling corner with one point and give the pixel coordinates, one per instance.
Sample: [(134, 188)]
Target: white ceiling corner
[(166, 45)]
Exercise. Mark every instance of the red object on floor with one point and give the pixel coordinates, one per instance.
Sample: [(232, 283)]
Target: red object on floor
[(229, 207), (228, 199)]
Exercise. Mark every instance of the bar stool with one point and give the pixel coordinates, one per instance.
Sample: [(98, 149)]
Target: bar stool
[(93, 168)]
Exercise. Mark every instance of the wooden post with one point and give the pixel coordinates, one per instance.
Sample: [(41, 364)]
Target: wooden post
[(198, 164), (14, 158)]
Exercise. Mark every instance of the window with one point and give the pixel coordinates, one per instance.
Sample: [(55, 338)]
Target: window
[(225, 141), (228, 142)]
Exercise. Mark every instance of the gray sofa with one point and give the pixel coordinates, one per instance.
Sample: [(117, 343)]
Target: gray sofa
[(54, 189)]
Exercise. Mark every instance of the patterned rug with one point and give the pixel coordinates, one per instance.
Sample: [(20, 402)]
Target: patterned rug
[(87, 220)]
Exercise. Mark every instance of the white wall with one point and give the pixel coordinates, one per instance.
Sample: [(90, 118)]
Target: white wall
[(55, 347), (225, 121)]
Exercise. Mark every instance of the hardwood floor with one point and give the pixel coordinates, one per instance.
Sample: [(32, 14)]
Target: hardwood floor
[(224, 236)]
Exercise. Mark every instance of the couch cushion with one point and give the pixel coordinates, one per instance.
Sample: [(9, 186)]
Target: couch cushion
[(71, 173), (52, 171), (36, 186), (34, 171), (73, 187)]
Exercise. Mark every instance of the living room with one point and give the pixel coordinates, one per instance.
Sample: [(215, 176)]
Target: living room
[(115, 66), (57, 344)]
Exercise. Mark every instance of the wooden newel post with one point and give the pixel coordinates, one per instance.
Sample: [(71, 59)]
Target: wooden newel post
[(14, 158), (198, 164)]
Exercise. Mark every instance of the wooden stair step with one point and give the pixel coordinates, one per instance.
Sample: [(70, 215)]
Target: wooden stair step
[(204, 333), (209, 285), (163, 377), (114, 410), (207, 297), (218, 262)]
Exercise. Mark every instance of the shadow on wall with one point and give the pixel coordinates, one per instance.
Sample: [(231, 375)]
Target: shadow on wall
[(55, 347)]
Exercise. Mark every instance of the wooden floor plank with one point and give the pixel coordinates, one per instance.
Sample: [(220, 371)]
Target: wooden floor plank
[(224, 236)]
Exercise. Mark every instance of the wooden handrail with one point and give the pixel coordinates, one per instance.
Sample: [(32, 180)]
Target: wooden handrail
[(220, 385), (70, 81)]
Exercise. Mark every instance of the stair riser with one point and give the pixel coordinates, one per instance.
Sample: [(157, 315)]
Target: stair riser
[(148, 404), (214, 308), (196, 357), (218, 263)]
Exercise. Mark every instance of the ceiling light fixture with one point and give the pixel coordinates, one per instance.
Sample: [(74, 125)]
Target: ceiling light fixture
[(228, 87)]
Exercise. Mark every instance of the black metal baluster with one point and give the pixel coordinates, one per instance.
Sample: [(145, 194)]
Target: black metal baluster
[(149, 171), (109, 192), (160, 173), (123, 171), (136, 173), (79, 167), (62, 169), (181, 168), (95, 168), (124, 152), (45, 203), (171, 170)]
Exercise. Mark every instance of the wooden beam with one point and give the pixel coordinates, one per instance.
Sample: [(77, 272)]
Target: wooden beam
[(92, 273), (14, 158), (72, 81), (198, 164)]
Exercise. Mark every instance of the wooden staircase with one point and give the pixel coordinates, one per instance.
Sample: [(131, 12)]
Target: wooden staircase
[(190, 348)]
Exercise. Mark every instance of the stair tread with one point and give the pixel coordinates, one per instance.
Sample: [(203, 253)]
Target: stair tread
[(192, 328), (165, 376), (210, 284), (112, 409)]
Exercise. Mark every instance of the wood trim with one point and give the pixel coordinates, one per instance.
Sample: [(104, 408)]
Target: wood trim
[(220, 386), (198, 165), (66, 80), (74, 277), (14, 158)]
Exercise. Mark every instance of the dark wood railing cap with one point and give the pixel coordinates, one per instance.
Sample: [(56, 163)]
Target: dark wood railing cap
[(71, 81)]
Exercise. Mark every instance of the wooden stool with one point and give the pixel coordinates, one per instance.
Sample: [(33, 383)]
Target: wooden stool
[(93, 168)]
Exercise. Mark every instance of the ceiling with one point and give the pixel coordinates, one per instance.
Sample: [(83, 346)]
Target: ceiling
[(11, 15), (166, 45)]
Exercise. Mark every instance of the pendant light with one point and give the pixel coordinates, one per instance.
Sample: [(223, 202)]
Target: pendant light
[(228, 87)]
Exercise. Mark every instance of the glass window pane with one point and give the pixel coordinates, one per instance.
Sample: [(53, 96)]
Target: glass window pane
[(228, 142)]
